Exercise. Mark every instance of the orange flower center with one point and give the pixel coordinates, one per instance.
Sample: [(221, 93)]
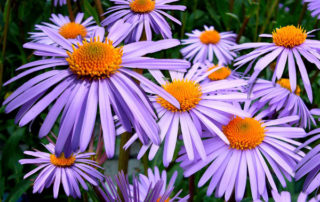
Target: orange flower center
[(142, 6), (62, 161), (95, 59), (188, 93), (71, 30), (210, 37), (244, 133), (219, 74), (167, 200), (285, 83), (289, 36)]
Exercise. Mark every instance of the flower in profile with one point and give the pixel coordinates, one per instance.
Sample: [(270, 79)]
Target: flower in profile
[(280, 98), (91, 74), (61, 2), (209, 45), (254, 145), (314, 7), (153, 187), (202, 106), (147, 16), (68, 172), (289, 44), (72, 31)]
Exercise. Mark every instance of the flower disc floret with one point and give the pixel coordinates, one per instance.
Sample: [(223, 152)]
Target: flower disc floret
[(72, 30), (285, 83), (95, 59), (219, 74), (210, 37), (289, 36), (142, 6), (187, 92), (244, 133), (62, 161)]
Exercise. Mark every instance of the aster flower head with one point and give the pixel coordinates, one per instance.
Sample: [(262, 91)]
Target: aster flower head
[(91, 74), (73, 31), (281, 99), (202, 106), (153, 187), (147, 15), (289, 44), (254, 144), (209, 44), (64, 171), (314, 8)]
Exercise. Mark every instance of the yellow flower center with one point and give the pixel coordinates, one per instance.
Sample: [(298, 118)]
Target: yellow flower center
[(289, 36), (188, 93), (219, 74), (71, 30), (244, 133), (142, 6), (95, 59), (210, 37), (285, 83), (62, 161)]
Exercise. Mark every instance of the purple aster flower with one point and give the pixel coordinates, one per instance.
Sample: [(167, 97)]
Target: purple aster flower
[(289, 44), (254, 144), (70, 172), (147, 16), (61, 2), (314, 7), (89, 74), (72, 31), (153, 187), (208, 45), (280, 98), (202, 106), (310, 166)]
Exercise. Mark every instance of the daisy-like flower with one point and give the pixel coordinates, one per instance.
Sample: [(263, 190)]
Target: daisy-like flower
[(209, 45), (254, 144), (147, 15), (61, 2), (56, 170), (289, 44), (280, 98), (72, 31), (310, 166), (201, 107), (92, 73), (153, 187), (314, 7)]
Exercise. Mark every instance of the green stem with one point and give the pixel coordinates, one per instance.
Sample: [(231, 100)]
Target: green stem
[(99, 9), (303, 11), (243, 27), (124, 154), (271, 11)]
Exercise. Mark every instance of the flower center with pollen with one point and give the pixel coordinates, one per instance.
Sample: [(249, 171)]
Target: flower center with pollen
[(62, 161), (167, 200), (142, 6), (285, 83), (219, 74), (244, 133), (72, 30), (210, 37), (188, 93), (289, 36), (95, 59)]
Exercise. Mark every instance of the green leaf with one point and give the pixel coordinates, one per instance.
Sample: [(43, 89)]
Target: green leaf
[(18, 190)]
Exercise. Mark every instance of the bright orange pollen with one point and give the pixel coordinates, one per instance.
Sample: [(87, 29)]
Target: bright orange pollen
[(188, 93), (244, 133), (289, 36), (219, 74), (210, 37), (167, 200), (72, 30), (142, 6), (285, 83), (95, 59), (62, 161)]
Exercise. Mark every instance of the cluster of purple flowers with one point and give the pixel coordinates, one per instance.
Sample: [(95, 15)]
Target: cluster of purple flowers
[(235, 127)]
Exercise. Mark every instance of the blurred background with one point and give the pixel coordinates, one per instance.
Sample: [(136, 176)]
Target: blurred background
[(247, 18)]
